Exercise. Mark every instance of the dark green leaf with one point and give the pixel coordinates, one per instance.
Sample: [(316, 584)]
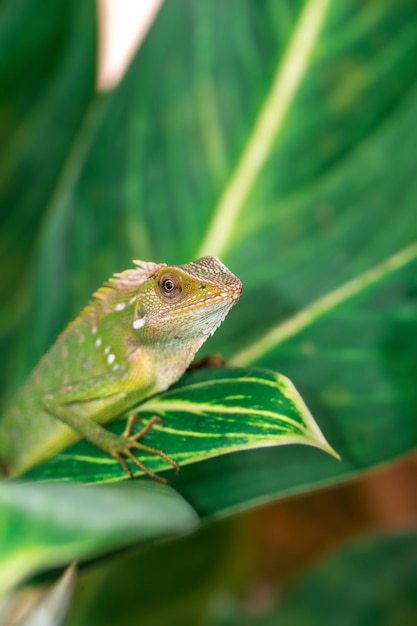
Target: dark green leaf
[(47, 66)]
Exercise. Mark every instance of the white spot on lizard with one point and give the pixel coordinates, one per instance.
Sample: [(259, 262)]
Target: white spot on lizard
[(139, 323), (98, 342), (110, 359), (120, 306)]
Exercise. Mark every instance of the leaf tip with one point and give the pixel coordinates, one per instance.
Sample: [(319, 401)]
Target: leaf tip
[(328, 448)]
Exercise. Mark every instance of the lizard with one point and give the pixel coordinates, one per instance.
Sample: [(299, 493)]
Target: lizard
[(135, 338)]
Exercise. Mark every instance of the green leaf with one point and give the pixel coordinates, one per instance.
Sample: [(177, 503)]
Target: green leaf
[(210, 412), (370, 581), (51, 524), (47, 73)]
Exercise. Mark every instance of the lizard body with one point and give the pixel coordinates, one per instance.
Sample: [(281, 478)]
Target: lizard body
[(136, 338)]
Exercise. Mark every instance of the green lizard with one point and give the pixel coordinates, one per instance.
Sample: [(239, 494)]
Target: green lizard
[(135, 338)]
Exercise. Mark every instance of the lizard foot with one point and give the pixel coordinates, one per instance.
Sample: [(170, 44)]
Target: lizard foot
[(128, 442)]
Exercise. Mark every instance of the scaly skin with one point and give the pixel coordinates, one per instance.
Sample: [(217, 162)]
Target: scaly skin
[(137, 336)]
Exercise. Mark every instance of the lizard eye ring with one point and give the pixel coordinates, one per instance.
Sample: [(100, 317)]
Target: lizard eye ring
[(170, 286)]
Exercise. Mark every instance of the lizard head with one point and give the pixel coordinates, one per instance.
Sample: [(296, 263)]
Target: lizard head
[(185, 302), (162, 314)]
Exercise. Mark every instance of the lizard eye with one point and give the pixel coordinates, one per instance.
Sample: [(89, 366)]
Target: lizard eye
[(170, 285)]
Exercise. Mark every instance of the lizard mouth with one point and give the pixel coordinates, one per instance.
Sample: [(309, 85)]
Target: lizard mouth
[(206, 316), (227, 299)]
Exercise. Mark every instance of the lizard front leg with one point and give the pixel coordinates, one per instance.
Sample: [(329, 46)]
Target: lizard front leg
[(74, 405)]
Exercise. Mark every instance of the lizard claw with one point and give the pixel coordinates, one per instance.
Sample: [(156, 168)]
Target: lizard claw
[(130, 442), (138, 463), (127, 433)]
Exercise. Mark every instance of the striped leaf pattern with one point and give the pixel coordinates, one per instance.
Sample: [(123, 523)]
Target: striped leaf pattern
[(209, 413)]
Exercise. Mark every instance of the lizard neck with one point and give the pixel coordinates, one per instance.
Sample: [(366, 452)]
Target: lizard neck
[(171, 361)]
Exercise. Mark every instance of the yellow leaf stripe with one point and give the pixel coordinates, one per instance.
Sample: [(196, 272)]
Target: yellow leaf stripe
[(298, 322), (288, 78)]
